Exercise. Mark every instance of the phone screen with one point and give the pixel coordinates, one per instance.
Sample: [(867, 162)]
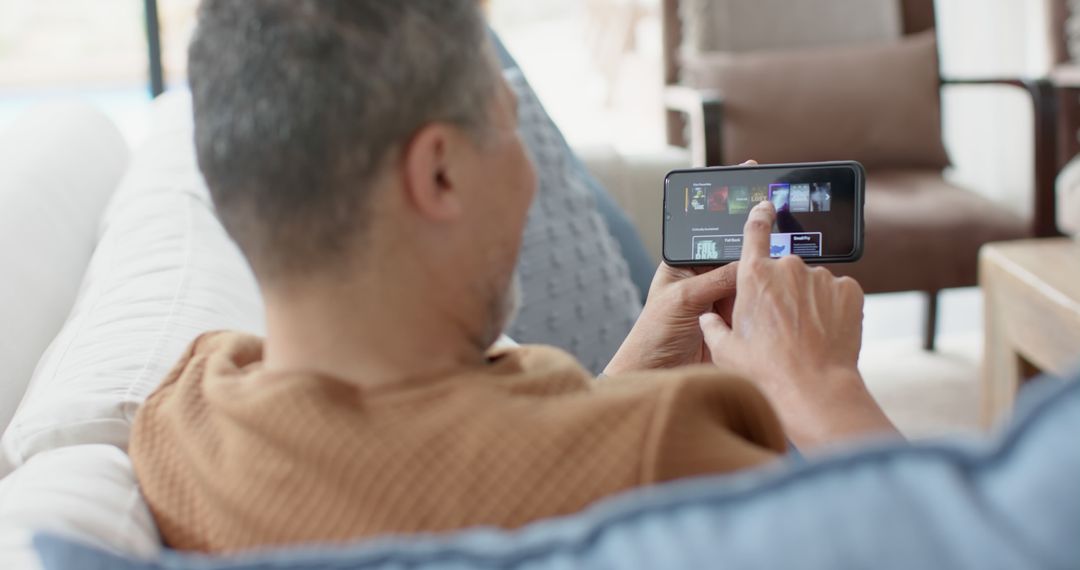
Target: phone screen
[(819, 211)]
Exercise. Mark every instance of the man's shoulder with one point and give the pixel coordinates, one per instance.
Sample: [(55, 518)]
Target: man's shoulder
[(538, 370), (215, 349), (536, 358), (698, 379), (703, 420), (545, 361), (238, 349), (689, 395), (549, 371), (242, 347)]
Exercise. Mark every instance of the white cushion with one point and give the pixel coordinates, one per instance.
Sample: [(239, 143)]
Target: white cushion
[(59, 163), (752, 25), (163, 273), (86, 492)]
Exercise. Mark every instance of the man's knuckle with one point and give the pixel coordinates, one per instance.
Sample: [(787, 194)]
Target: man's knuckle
[(725, 279), (681, 294), (850, 285), (755, 266), (792, 262)]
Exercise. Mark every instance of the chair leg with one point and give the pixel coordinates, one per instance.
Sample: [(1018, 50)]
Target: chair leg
[(930, 332)]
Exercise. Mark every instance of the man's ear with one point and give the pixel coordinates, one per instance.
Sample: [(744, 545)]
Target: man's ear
[(428, 167)]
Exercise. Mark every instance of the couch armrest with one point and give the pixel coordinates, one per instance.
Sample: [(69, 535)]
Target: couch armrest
[(1044, 107), (704, 110), (60, 163)]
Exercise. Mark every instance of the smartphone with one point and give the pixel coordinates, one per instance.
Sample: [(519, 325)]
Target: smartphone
[(819, 211)]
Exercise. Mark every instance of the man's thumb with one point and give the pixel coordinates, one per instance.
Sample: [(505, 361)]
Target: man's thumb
[(714, 329), (708, 288)]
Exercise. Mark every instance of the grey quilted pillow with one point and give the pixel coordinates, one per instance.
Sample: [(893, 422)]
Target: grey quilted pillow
[(577, 292)]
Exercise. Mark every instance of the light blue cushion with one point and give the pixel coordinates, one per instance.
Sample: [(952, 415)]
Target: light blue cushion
[(633, 250), (1013, 503)]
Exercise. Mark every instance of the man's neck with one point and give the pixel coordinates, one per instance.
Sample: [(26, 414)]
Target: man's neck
[(369, 334)]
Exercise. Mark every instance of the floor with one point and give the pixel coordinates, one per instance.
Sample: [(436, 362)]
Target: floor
[(925, 394)]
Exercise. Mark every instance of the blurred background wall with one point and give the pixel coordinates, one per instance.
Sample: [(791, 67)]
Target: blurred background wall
[(595, 63)]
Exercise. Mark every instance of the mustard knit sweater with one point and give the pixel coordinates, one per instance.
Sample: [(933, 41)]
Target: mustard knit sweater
[(232, 457)]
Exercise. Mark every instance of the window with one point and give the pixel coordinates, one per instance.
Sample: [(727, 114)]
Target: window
[(596, 64), (57, 49)]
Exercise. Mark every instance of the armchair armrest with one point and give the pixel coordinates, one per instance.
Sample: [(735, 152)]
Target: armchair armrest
[(962, 81), (632, 179), (703, 110), (1044, 105)]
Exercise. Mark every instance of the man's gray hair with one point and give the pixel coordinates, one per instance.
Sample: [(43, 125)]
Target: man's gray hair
[(299, 103)]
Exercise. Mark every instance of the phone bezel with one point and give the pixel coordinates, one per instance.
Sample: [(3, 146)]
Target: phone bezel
[(860, 204)]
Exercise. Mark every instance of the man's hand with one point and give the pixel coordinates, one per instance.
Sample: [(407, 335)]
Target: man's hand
[(796, 332), (668, 334)]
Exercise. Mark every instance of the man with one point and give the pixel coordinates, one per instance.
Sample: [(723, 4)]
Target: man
[(364, 156)]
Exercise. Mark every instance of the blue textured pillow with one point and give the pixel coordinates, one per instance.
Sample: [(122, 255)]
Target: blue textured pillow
[(1011, 505), (576, 289), (633, 250)]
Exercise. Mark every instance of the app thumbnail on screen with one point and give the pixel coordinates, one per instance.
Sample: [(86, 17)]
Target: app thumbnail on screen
[(696, 199), (739, 200), (799, 200), (705, 198), (718, 200), (821, 197), (780, 196), (729, 247)]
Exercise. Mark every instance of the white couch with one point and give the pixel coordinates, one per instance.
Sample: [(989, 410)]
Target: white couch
[(58, 167), (153, 269), (121, 263)]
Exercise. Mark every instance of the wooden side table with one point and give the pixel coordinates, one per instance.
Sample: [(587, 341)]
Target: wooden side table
[(1032, 296)]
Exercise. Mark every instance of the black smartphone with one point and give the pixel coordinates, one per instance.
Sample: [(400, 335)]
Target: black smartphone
[(819, 211)]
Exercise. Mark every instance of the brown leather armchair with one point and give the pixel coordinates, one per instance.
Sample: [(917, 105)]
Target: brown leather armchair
[(923, 233)]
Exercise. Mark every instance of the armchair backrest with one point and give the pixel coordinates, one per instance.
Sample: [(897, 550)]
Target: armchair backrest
[(703, 26), (789, 72), (741, 26)]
